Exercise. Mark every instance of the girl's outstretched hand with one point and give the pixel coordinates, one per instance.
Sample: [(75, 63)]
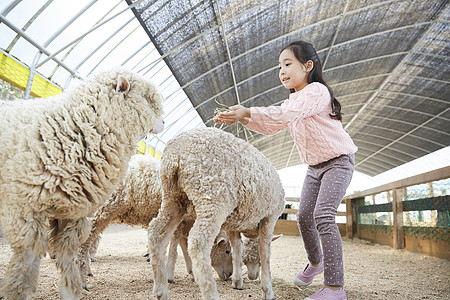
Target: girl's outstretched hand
[(235, 114)]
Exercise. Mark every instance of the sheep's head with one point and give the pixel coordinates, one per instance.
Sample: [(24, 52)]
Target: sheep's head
[(127, 89), (221, 256), (250, 256)]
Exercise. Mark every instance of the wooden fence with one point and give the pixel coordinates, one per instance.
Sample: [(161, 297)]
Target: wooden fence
[(434, 240)]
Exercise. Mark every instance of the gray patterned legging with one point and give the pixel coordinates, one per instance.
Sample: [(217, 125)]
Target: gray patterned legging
[(323, 190)]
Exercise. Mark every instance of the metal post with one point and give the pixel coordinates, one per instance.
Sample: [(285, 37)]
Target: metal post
[(397, 210)]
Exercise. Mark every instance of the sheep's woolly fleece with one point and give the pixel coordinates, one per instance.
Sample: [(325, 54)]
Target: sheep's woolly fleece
[(61, 158), (209, 158), (64, 155), (138, 199), (232, 186), (136, 202)]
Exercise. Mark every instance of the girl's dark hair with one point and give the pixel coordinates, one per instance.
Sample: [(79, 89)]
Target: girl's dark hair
[(304, 51)]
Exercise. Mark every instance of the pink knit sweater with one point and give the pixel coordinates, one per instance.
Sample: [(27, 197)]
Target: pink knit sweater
[(307, 115)]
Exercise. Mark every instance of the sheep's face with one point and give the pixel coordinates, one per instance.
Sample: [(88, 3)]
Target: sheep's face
[(250, 257), (155, 100), (221, 259), (134, 96)]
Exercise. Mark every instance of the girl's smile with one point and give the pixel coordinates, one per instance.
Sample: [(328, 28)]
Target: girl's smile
[(293, 74)]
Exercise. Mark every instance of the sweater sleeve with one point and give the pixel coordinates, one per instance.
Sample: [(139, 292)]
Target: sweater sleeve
[(310, 101)]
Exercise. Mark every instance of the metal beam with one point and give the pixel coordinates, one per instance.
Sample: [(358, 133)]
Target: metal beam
[(103, 43), (366, 60), (283, 145), (386, 74), (25, 27), (413, 124), (51, 56), (343, 14), (388, 79), (398, 108), (380, 146), (263, 137), (290, 155), (206, 32), (33, 66), (288, 34), (75, 44), (37, 45), (134, 53), (405, 135), (10, 7), (113, 48), (390, 140)]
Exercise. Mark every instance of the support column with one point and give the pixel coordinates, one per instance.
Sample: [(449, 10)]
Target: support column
[(352, 216), (397, 211)]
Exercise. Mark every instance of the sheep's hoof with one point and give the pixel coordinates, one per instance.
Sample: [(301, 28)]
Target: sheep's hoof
[(236, 288), (171, 281)]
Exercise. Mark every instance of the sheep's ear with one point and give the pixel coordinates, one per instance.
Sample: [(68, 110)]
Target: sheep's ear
[(221, 238), (123, 85), (220, 241), (276, 237)]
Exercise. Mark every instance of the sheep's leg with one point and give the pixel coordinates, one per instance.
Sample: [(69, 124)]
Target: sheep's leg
[(201, 239), (160, 231), (102, 220), (266, 227), (172, 259), (187, 259), (236, 246), (28, 240), (67, 239), (93, 249)]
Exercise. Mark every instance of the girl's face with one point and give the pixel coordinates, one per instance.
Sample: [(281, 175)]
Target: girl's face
[(293, 74)]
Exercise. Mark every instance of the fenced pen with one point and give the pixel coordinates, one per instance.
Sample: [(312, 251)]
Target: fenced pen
[(411, 214)]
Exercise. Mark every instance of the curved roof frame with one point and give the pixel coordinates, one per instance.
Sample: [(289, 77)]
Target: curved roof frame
[(384, 92), (103, 20)]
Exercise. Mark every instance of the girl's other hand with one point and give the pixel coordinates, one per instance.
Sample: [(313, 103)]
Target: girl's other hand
[(236, 107)]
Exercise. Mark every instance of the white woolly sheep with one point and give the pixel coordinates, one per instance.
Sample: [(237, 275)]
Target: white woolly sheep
[(136, 202), (61, 158), (230, 185)]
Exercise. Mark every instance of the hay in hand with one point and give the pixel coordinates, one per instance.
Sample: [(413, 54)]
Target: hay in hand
[(239, 126)]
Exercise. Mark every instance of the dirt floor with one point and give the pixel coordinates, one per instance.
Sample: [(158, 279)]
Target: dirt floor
[(371, 272)]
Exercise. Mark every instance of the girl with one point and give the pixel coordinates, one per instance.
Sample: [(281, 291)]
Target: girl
[(313, 117)]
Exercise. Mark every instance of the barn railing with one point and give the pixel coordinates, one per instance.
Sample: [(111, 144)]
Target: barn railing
[(415, 221)]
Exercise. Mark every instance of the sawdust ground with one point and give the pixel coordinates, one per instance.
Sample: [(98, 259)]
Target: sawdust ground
[(371, 272)]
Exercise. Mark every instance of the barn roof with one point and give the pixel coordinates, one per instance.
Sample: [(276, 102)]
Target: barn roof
[(387, 62)]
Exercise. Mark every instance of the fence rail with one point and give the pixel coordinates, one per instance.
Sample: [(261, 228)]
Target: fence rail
[(396, 232)]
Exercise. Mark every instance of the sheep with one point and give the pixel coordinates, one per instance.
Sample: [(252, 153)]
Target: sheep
[(221, 258), (250, 256), (230, 185), (136, 202), (61, 159)]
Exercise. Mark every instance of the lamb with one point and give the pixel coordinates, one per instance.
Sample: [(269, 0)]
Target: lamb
[(232, 186), (136, 202), (61, 159)]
